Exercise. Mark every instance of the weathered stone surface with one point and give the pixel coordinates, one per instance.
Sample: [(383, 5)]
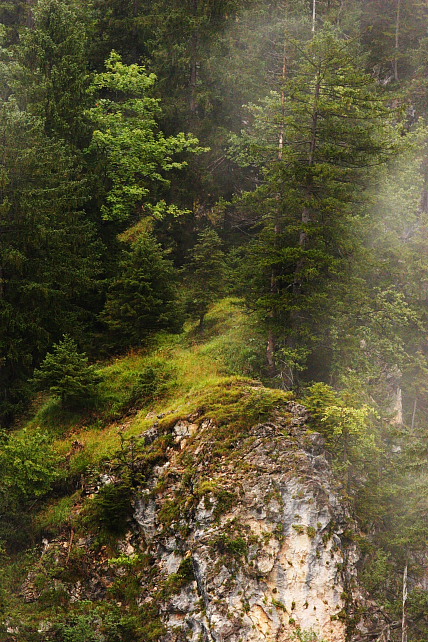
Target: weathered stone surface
[(246, 536), (271, 559)]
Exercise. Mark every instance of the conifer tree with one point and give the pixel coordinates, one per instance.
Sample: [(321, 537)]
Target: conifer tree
[(53, 77), (65, 372), (206, 271), (314, 148), (143, 297), (49, 257)]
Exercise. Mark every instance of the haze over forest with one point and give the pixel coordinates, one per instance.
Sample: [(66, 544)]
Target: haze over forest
[(197, 189)]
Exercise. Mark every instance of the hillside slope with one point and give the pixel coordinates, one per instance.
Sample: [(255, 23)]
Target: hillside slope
[(210, 514)]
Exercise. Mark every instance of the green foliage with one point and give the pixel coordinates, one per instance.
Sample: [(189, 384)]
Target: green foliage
[(143, 298), (53, 77), (49, 257), (65, 372), (335, 270), (136, 157), (13, 15), (110, 509), (101, 624), (226, 544), (304, 635), (28, 465), (184, 575), (28, 469), (348, 431), (336, 127), (206, 273), (378, 575)]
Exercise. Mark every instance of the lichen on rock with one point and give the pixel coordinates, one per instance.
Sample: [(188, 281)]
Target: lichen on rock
[(237, 530)]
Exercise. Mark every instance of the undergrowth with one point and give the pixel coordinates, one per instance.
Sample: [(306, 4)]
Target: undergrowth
[(207, 376)]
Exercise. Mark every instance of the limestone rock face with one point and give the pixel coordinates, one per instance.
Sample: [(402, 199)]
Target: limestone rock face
[(238, 534), (261, 530)]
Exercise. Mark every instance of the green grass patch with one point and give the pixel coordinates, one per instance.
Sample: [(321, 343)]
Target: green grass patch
[(57, 515)]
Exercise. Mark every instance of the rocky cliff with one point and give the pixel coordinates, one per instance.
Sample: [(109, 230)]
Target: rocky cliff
[(224, 530)]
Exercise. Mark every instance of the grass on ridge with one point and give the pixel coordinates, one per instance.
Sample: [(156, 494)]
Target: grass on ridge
[(186, 364)]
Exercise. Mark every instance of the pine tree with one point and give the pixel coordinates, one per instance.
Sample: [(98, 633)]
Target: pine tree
[(314, 147), (143, 298), (206, 271), (65, 372)]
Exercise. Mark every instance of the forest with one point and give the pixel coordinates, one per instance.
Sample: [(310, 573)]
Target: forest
[(167, 161)]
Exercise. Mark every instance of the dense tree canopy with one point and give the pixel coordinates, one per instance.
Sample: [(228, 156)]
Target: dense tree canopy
[(157, 155)]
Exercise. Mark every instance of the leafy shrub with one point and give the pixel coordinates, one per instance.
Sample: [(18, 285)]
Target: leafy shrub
[(134, 389), (228, 545), (101, 625), (28, 468), (183, 576)]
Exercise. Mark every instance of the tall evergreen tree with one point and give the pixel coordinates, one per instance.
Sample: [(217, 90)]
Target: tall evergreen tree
[(53, 77), (49, 258), (206, 272), (143, 297), (323, 133)]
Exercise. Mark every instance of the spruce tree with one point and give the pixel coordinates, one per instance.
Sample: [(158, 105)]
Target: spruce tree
[(65, 372), (206, 270), (143, 297), (52, 78), (314, 145), (49, 257)]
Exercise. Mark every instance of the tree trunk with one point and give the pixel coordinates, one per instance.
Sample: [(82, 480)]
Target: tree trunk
[(397, 39), (414, 413), (201, 322), (404, 615), (306, 216), (424, 195), (194, 62), (271, 345), (314, 15)]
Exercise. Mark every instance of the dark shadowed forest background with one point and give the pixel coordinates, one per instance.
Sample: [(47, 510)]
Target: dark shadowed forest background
[(159, 157)]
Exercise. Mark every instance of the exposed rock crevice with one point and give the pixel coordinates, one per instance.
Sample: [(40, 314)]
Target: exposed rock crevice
[(244, 535)]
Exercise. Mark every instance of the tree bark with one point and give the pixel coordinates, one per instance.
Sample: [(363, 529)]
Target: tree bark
[(404, 615), (414, 413), (271, 344), (397, 39)]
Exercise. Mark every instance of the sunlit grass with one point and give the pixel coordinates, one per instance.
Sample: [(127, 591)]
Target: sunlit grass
[(202, 368)]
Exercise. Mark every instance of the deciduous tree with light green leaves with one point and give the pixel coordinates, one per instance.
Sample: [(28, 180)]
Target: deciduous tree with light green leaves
[(348, 430), (133, 155)]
